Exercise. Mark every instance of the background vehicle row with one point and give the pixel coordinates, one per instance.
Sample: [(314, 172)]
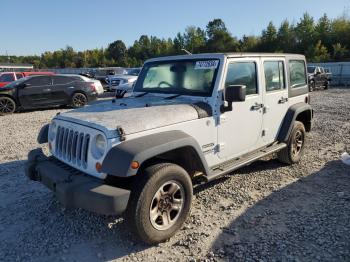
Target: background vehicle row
[(46, 91)]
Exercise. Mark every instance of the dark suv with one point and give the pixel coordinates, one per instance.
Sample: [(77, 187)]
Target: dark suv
[(317, 77), (46, 91)]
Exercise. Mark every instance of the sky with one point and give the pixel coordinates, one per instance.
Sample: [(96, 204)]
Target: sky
[(32, 27)]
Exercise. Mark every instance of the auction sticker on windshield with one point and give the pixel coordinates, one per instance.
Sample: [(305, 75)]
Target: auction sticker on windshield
[(210, 64)]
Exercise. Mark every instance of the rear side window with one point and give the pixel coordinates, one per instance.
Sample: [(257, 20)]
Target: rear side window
[(19, 76), (39, 81), (61, 80), (297, 73), (242, 73), (274, 75), (7, 78)]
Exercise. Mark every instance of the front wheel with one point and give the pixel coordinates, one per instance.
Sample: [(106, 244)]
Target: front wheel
[(295, 145), (79, 100), (7, 105), (326, 85), (160, 202), (120, 93)]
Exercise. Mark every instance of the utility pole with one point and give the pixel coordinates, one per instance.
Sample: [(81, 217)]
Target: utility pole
[(8, 57)]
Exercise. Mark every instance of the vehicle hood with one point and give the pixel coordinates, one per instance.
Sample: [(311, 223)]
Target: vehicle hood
[(135, 115), (7, 88)]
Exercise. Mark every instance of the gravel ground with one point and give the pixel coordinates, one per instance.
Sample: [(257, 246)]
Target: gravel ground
[(264, 212)]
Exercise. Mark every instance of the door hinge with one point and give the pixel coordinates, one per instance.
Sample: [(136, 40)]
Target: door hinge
[(220, 147), (222, 119)]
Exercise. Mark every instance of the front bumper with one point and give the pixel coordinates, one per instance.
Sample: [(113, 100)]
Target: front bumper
[(73, 188)]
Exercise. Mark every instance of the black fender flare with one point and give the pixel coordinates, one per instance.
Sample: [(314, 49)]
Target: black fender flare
[(119, 158), (290, 117), (43, 136)]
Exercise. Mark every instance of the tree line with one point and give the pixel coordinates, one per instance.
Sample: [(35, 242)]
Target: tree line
[(321, 41)]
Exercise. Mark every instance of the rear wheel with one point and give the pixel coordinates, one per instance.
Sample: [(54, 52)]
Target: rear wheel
[(160, 202), (312, 86), (295, 146), (7, 105), (79, 100)]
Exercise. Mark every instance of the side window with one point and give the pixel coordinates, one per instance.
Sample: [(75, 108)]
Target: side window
[(61, 80), (242, 73), (297, 75), (19, 76), (274, 75), (39, 81)]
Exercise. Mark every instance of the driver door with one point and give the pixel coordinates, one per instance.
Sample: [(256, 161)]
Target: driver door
[(239, 131), (36, 92)]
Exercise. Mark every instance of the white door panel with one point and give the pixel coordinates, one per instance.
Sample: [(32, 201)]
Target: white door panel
[(275, 98), (239, 130)]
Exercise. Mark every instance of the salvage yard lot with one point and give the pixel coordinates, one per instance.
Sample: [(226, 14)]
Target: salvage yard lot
[(265, 211)]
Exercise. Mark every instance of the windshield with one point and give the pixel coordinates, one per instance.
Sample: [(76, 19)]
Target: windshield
[(185, 77), (7, 77), (133, 71), (311, 69)]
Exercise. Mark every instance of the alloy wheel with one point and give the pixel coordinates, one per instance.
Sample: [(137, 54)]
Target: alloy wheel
[(6, 105), (167, 205), (298, 142), (79, 100)]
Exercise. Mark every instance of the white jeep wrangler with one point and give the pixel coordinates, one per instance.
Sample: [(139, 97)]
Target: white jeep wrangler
[(189, 120)]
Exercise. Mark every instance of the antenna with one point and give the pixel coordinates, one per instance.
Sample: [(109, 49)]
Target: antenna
[(187, 52)]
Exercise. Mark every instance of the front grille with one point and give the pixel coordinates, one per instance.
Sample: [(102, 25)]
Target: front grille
[(72, 146)]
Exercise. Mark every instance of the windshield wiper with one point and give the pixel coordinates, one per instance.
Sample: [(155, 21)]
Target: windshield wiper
[(173, 96), (141, 95)]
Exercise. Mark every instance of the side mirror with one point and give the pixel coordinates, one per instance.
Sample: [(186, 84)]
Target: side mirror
[(234, 93)]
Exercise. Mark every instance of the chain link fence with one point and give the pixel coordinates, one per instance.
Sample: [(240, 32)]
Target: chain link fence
[(340, 72)]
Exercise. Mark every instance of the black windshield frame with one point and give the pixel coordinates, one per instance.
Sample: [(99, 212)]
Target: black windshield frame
[(143, 73)]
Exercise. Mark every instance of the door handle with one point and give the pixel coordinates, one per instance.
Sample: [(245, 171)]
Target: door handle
[(47, 90), (283, 100), (257, 106)]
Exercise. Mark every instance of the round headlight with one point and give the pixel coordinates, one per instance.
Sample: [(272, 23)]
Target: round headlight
[(52, 130), (99, 146)]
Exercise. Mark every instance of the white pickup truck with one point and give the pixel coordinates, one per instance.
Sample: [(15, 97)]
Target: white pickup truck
[(189, 120)]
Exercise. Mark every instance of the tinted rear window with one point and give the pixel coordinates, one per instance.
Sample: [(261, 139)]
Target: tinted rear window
[(61, 80)]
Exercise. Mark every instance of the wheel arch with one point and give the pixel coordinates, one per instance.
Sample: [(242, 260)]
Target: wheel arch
[(172, 146), (12, 97), (299, 112)]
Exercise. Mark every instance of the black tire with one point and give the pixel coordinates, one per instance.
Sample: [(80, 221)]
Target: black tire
[(120, 93), (312, 86), (145, 200), (326, 85), (295, 145), (7, 105), (79, 100)]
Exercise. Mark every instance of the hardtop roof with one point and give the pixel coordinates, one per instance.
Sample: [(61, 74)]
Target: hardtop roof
[(227, 55)]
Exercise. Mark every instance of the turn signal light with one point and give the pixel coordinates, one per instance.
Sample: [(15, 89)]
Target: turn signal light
[(135, 165), (98, 167)]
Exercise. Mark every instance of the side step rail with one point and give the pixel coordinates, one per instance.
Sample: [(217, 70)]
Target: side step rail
[(231, 165)]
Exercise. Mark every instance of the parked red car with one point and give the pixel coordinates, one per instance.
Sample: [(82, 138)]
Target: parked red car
[(8, 77)]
